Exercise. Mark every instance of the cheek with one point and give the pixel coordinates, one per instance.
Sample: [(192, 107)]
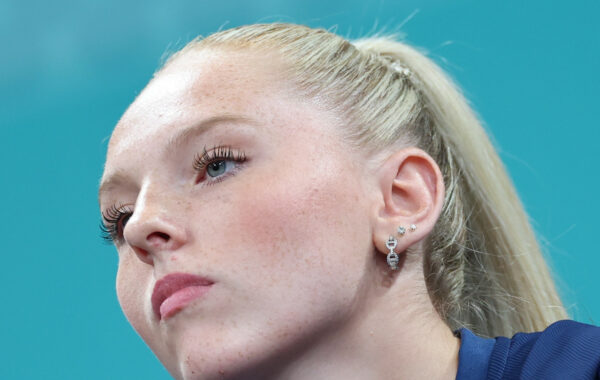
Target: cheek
[(305, 230), (132, 286)]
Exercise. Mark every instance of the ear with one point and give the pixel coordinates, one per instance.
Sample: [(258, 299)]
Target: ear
[(412, 191)]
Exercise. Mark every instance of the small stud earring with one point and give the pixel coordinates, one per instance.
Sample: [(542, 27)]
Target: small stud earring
[(392, 257), (412, 227), (401, 230)]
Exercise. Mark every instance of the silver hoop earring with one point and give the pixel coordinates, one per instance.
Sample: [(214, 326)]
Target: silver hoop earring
[(392, 257)]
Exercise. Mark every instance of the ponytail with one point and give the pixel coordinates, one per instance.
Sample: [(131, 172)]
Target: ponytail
[(483, 266)]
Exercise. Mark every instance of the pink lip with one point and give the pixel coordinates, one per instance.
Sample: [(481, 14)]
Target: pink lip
[(174, 291)]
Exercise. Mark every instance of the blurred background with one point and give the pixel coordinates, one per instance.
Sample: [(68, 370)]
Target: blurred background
[(70, 68)]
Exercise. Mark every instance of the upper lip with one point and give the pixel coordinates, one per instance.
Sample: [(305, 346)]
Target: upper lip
[(173, 282)]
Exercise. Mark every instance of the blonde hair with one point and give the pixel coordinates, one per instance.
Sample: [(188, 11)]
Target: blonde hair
[(482, 264)]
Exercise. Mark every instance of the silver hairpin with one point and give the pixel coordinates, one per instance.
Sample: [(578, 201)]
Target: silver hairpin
[(401, 69)]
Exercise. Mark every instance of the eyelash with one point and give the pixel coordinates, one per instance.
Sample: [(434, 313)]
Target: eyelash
[(218, 153), (112, 225)]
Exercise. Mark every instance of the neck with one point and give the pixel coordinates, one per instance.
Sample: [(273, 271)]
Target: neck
[(394, 333)]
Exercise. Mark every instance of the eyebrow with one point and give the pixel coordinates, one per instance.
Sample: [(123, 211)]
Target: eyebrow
[(197, 129), (194, 130), (110, 182)]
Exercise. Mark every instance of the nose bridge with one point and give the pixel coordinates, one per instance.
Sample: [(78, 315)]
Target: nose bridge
[(157, 223), (152, 202)]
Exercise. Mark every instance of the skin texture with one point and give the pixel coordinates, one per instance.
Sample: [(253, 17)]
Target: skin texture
[(294, 237)]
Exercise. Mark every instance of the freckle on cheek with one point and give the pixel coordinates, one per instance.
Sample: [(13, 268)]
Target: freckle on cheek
[(275, 218)]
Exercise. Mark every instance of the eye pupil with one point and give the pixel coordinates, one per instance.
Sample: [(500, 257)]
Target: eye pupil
[(215, 168)]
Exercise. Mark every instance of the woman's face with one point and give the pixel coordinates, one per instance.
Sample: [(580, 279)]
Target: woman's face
[(220, 170)]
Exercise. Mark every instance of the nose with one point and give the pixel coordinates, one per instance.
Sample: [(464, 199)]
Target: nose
[(152, 231)]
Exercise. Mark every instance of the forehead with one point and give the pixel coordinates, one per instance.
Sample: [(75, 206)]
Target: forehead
[(201, 84)]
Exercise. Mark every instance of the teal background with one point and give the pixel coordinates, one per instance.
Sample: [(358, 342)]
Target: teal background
[(69, 69)]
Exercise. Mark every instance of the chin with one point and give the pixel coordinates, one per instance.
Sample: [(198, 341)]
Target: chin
[(217, 352), (198, 361)]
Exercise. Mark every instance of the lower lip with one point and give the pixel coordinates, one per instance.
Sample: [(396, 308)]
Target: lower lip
[(181, 299)]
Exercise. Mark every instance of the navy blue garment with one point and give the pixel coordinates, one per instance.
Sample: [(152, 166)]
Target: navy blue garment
[(565, 350)]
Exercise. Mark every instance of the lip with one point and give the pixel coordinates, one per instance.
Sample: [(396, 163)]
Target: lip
[(176, 290)]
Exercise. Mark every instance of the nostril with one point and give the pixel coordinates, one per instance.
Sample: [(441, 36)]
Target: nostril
[(143, 255), (158, 238)]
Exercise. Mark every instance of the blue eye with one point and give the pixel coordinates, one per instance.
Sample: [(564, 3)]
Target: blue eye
[(216, 168), (217, 162)]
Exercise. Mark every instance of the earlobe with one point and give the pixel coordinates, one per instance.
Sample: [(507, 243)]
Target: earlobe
[(412, 190)]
